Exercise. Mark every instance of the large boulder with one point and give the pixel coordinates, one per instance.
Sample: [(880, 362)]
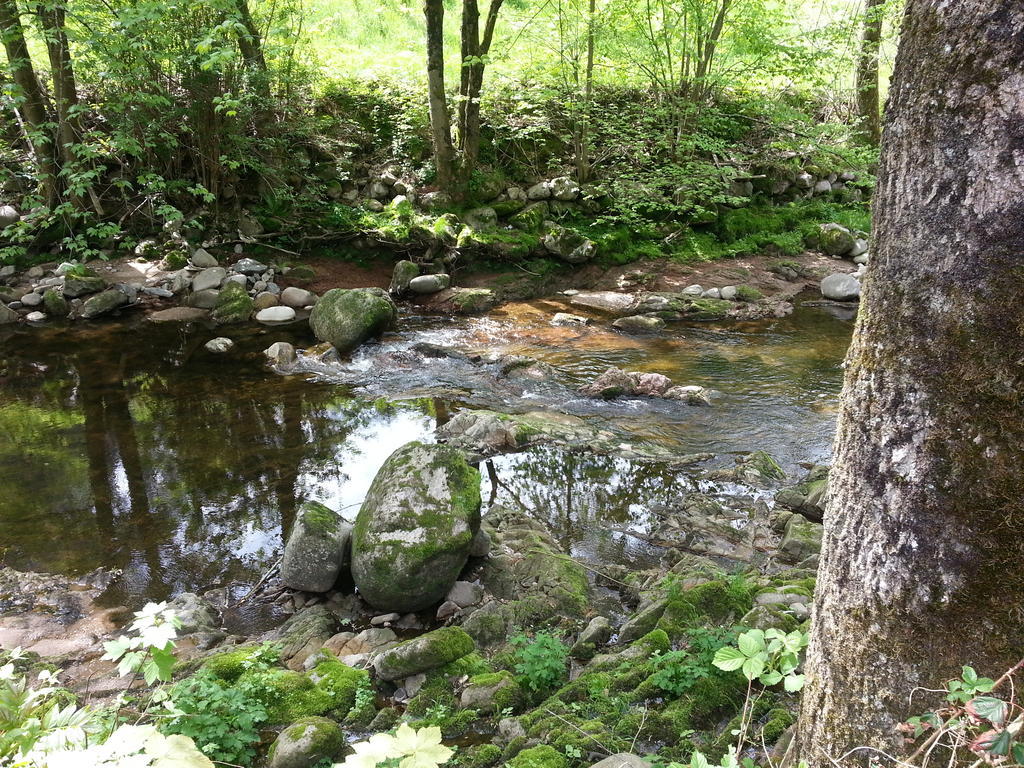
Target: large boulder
[(317, 549), (840, 287), (801, 539), (82, 285), (808, 496), (424, 653), (415, 529), (347, 318)]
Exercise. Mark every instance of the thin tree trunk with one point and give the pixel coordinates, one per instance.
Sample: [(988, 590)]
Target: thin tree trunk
[(474, 48), (440, 121), (32, 103), (583, 152), (923, 560), (51, 17), (870, 127)]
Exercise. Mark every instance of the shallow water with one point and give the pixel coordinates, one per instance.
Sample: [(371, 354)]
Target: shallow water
[(127, 445)]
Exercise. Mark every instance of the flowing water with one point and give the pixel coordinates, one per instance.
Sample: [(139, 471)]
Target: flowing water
[(126, 444)]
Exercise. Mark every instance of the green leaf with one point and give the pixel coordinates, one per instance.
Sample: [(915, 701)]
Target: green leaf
[(770, 678), (752, 668), (728, 658), (969, 675), (794, 683), (993, 742), (698, 761), (752, 642), (1018, 754)]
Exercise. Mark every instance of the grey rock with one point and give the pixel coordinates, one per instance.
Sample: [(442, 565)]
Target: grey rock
[(32, 299), (569, 246), (76, 287), (801, 539), (385, 619), (609, 302), (861, 259), (712, 293), (8, 215), (804, 180), (539, 191), (249, 266), (728, 293), (840, 287), (424, 653), (219, 345), (639, 324), (565, 189), (405, 271), (378, 190), (692, 290), (162, 293), (598, 632), (622, 760), (446, 610), (35, 317), (297, 298), (465, 594), (481, 545), (317, 549), (204, 299), (194, 613), (7, 315), (208, 279), (823, 187), (239, 279), (280, 353), (860, 247), (178, 315), (566, 319), (264, 300), (276, 314), (836, 240), (203, 259), (415, 528), (427, 284), (102, 303)]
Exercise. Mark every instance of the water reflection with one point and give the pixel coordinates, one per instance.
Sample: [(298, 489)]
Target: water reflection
[(181, 468)]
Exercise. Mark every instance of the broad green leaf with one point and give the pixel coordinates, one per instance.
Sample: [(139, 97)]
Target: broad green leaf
[(752, 642), (729, 658), (752, 668), (793, 683)]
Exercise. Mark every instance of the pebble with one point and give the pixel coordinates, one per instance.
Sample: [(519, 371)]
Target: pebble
[(249, 267), (163, 293), (384, 618), (35, 317), (32, 299), (220, 345)]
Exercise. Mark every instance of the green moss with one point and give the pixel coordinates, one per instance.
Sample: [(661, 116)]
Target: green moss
[(301, 274), (438, 690), (55, 304), (234, 305), (319, 520), (655, 641), (543, 756), (478, 756), (323, 738), (289, 696), (175, 260), (715, 602), (765, 463), (748, 293), (230, 665)]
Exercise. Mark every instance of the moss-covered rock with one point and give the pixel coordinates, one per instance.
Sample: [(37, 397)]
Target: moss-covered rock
[(493, 692), (544, 756), (801, 539), (477, 756), (55, 304), (289, 696), (424, 653), (413, 534), (104, 302), (402, 275), (347, 318), (234, 305), (305, 743), (808, 496), (317, 549), (531, 218)]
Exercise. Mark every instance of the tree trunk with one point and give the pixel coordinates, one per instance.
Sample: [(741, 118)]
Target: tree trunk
[(251, 47), (51, 17), (440, 121), (32, 103), (870, 128), (923, 560), (474, 48)]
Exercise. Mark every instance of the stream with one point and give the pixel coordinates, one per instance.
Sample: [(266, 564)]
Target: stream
[(127, 445)]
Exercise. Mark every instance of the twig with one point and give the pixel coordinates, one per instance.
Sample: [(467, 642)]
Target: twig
[(259, 584)]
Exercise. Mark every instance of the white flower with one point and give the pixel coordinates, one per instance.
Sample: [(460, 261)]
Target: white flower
[(376, 749)]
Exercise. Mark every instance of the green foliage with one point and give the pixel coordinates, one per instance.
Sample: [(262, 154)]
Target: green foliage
[(150, 651), (678, 671), (542, 660), (768, 656), (222, 720)]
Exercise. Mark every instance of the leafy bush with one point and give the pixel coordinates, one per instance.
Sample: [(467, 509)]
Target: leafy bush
[(678, 671), (223, 720), (542, 661)]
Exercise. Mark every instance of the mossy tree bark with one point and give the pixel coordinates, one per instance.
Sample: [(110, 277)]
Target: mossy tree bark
[(923, 561), (440, 120)]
